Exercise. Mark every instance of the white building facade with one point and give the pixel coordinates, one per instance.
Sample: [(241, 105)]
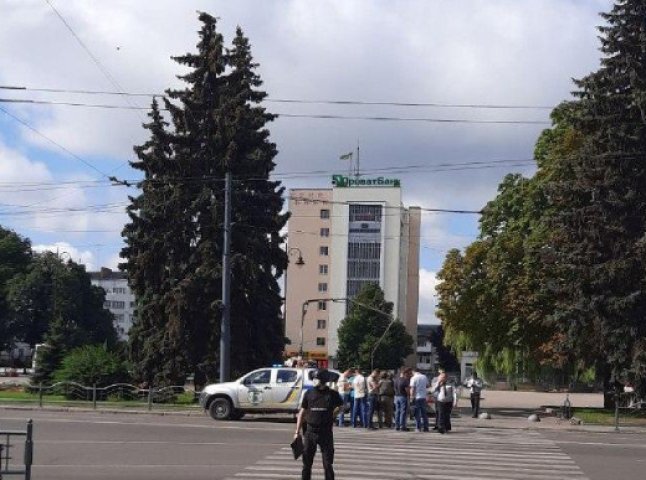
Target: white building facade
[(360, 233), (119, 299)]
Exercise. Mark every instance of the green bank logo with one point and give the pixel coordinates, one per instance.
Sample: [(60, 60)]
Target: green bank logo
[(341, 181)]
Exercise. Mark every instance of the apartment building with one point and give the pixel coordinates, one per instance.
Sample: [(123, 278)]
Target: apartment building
[(354, 233), (118, 298)]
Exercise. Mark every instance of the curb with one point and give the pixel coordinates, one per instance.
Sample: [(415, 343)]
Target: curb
[(161, 413)]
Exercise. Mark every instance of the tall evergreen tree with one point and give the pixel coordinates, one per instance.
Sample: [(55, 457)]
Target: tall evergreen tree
[(600, 217), (156, 247), (218, 126)]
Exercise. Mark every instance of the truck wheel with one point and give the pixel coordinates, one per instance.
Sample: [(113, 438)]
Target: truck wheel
[(220, 409)]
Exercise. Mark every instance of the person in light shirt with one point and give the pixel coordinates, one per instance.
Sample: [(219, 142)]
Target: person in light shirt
[(418, 392), (359, 405), (345, 388), (447, 398), (475, 385)]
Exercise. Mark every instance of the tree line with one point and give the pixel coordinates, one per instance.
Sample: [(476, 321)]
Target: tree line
[(556, 279), (45, 300)]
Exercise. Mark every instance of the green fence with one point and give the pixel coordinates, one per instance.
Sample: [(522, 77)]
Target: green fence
[(119, 395)]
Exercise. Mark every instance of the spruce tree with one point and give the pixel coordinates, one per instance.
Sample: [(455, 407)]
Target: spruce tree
[(599, 222), (156, 246), (218, 126)]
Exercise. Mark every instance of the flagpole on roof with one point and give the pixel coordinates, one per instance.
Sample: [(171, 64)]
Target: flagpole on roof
[(358, 164)]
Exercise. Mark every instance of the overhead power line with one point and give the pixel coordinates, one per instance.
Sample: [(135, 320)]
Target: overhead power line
[(53, 142), (298, 101), (291, 115), (106, 73)]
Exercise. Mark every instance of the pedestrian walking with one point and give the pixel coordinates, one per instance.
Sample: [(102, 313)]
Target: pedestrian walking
[(316, 418), (359, 404), (345, 388), (402, 392), (386, 400), (418, 394), (373, 398), (475, 385), (447, 398)]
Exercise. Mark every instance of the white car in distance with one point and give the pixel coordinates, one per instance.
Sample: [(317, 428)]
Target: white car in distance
[(266, 390)]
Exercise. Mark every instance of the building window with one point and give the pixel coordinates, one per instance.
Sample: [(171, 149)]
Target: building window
[(118, 305), (324, 251), (325, 213), (322, 305), (320, 341), (322, 269), (325, 232), (321, 324), (119, 317), (107, 304), (132, 304), (118, 290), (323, 287)]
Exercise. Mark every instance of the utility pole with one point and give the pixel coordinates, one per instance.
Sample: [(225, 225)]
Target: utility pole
[(225, 325)]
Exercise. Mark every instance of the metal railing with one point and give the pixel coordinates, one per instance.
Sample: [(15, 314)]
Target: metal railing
[(7, 466), (123, 395)]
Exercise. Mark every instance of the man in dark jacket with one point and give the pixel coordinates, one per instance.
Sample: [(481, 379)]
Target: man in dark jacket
[(316, 418)]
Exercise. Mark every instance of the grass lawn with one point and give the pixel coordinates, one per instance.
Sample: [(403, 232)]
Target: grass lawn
[(604, 416), (182, 401)]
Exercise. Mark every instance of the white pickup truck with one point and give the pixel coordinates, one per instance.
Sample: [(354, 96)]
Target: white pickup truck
[(267, 390)]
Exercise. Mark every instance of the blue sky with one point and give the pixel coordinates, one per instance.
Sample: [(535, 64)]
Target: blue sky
[(485, 52)]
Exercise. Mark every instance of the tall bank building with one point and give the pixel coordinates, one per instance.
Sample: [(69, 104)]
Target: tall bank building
[(356, 232)]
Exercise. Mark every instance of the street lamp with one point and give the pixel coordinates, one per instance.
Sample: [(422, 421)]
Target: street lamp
[(299, 261)]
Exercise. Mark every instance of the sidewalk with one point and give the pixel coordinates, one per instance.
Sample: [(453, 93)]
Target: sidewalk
[(461, 421)]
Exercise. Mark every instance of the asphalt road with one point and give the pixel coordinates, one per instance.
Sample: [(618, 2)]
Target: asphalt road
[(139, 447)]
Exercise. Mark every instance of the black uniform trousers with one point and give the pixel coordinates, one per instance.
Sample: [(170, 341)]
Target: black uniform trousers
[(475, 404), (444, 416), (324, 439)]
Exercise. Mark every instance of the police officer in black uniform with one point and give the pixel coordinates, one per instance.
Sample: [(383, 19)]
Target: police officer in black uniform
[(316, 418)]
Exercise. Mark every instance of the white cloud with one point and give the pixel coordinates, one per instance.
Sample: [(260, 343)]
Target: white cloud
[(473, 51), (31, 198), (67, 251), (427, 299)]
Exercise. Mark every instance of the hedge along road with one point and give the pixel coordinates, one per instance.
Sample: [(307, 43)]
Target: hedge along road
[(86, 445)]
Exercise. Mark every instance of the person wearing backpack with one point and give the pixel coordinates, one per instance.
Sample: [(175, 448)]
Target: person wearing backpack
[(386, 400), (315, 419)]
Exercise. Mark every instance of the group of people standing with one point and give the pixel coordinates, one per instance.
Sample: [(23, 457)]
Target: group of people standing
[(392, 399), (377, 394)]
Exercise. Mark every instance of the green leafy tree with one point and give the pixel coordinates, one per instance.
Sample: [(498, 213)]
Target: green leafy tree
[(92, 364), (492, 298), (15, 257), (218, 125), (363, 327), (55, 302), (599, 218)]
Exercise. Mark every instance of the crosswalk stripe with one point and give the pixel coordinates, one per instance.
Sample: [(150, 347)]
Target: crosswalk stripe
[(390, 455), (425, 459), (571, 469)]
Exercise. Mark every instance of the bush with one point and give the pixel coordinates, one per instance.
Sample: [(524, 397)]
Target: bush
[(92, 364)]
